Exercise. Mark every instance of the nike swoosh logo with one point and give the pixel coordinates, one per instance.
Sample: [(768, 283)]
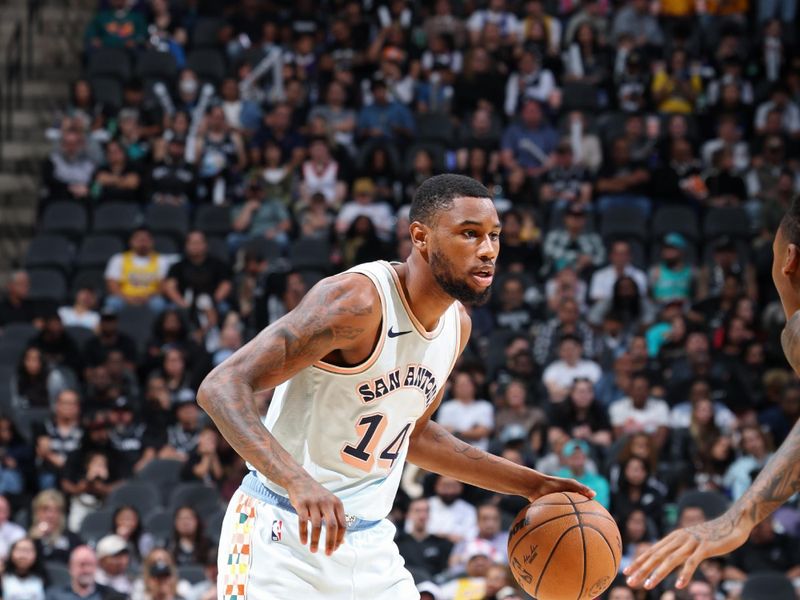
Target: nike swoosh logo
[(394, 334)]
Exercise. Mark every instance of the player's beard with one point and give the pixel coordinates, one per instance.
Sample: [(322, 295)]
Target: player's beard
[(443, 273)]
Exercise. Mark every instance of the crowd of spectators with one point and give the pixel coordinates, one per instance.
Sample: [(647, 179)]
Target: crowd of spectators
[(250, 148)]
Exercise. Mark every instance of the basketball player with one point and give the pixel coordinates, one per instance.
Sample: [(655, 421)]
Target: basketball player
[(776, 483), (360, 367)]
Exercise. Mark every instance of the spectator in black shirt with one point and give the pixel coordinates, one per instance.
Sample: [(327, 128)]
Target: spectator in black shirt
[(421, 550), (566, 182), (109, 338), (198, 275), (57, 437), (623, 181), (181, 439), (765, 550), (58, 349), (127, 435), (33, 386), (204, 463), (15, 307), (173, 180), (512, 312), (517, 251), (116, 179)]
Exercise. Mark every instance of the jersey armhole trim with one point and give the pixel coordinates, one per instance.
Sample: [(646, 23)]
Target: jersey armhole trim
[(457, 352), (376, 352)]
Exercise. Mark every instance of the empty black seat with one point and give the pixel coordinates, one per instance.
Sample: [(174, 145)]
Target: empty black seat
[(93, 278), (107, 92), (676, 219), (310, 253), (137, 322), (164, 473), (153, 65), (579, 96), (167, 219), (218, 249), (64, 217), (269, 249), (435, 127), (46, 251), (96, 525), (109, 62), (773, 585), (158, 523), (48, 284), (96, 249), (623, 221), (192, 573), (142, 495), (204, 499), (80, 335), (205, 33), (118, 218), (165, 244), (730, 221), (213, 220), (208, 64), (11, 352), (22, 332)]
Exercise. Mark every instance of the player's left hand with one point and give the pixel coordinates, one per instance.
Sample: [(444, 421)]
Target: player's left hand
[(547, 484)]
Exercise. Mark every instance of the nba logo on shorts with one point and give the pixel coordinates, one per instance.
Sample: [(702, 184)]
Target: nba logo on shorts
[(277, 530)]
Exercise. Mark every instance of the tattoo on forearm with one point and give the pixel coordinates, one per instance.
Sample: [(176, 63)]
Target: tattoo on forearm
[(466, 450), (276, 353)]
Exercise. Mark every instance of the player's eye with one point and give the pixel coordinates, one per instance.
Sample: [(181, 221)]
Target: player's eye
[(470, 233), (494, 236)]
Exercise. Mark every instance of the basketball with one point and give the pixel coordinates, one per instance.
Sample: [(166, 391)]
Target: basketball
[(564, 546)]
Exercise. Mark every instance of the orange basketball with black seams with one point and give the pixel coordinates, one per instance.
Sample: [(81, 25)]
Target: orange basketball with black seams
[(564, 546)]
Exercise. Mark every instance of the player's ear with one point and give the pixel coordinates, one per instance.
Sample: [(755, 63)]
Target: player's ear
[(419, 236), (791, 260)]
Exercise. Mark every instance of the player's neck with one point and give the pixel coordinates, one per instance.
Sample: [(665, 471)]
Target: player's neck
[(426, 299)]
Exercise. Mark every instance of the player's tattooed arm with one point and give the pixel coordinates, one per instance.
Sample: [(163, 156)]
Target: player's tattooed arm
[(340, 314), (777, 482)]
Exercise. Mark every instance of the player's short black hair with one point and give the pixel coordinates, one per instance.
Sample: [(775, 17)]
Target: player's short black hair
[(791, 223), (439, 192)]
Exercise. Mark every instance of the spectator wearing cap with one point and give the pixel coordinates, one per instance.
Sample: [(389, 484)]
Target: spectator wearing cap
[(113, 559), (465, 416), (116, 179), (198, 276), (258, 217), (172, 180), (574, 457), (560, 374), (159, 579), (109, 338), (480, 556), (572, 246), (603, 280), (530, 142), (364, 204), (451, 517), (57, 437), (422, 550), (640, 412), (127, 434), (180, 439), (134, 277), (489, 530), (384, 118), (672, 278)]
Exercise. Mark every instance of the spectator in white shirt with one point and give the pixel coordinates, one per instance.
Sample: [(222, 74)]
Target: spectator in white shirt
[(603, 280), (465, 416), (497, 14), (560, 374), (83, 313), (10, 532), (364, 204), (450, 516), (640, 412)]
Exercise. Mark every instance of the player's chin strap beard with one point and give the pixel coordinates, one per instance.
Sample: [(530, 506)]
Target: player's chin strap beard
[(790, 341)]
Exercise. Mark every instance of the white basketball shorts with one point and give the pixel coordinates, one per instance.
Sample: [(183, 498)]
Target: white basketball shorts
[(260, 558)]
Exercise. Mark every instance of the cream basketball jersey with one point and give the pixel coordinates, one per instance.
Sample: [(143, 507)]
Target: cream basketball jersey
[(349, 427)]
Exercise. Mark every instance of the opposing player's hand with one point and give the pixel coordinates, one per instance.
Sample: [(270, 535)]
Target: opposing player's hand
[(688, 547), (547, 484), (316, 504)]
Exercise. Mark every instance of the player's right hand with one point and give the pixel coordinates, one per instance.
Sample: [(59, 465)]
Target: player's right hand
[(316, 504), (688, 547)]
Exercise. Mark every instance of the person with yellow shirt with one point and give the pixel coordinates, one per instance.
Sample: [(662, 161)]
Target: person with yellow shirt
[(676, 88), (135, 277)]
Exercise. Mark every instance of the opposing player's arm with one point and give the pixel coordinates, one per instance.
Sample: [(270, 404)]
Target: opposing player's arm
[(341, 314), (776, 483), (433, 448)]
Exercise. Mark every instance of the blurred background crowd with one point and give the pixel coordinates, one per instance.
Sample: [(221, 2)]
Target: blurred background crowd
[(219, 158)]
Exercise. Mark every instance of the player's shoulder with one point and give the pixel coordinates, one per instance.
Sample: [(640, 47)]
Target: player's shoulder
[(349, 295)]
